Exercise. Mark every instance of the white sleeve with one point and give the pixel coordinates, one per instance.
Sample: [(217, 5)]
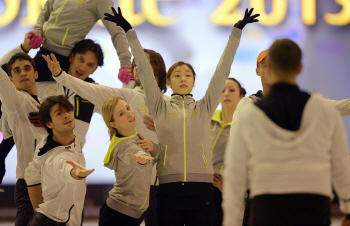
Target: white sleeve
[(96, 94), (32, 174), (342, 105), (242, 104), (6, 58), (11, 98), (235, 175), (62, 170), (340, 165)]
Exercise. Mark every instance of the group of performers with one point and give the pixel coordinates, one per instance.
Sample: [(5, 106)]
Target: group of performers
[(266, 159)]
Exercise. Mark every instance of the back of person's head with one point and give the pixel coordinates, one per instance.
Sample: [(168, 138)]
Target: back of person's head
[(19, 56), (89, 45), (47, 104), (242, 90), (180, 63), (284, 58), (107, 113)]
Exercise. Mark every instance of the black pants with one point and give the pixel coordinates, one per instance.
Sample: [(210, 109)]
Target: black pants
[(150, 215), (110, 217), (290, 210), (246, 210), (5, 148), (41, 65), (189, 203), (218, 214), (40, 219), (25, 209)]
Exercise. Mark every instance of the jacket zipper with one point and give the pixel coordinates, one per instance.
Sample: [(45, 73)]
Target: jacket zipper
[(65, 36), (166, 148), (205, 160), (183, 107), (69, 213), (216, 139), (145, 200)]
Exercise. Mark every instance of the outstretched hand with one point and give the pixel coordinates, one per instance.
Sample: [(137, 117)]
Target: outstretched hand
[(78, 171), (53, 64), (248, 18), (140, 158), (118, 19)]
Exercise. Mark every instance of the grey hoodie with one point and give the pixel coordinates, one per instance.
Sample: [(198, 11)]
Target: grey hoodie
[(131, 190), (183, 124), (64, 23)]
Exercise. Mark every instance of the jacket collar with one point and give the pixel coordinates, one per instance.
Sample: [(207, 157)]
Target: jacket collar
[(115, 140)]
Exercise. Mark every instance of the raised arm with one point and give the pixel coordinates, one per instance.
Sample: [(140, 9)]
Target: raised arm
[(96, 94), (117, 34), (44, 16), (11, 98), (222, 71), (154, 98)]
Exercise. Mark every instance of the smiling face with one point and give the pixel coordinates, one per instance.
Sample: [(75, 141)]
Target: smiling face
[(82, 64), (124, 118), (62, 120), (230, 96), (23, 75), (181, 80)]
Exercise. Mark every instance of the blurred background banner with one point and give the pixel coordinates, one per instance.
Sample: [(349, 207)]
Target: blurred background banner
[(196, 31)]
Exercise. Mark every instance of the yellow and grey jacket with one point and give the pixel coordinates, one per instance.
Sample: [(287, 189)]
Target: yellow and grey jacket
[(64, 23), (183, 124), (131, 190), (218, 138)]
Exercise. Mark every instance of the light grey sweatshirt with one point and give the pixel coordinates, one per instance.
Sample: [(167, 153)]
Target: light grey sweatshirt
[(183, 124), (64, 23), (130, 193)]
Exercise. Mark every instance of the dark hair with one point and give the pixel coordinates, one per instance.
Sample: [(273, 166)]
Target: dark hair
[(242, 90), (19, 56), (158, 67), (47, 104), (284, 57), (88, 45), (180, 63)]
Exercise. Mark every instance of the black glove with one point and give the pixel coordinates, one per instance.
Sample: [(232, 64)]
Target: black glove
[(247, 19), (34, 119), (118, 19)]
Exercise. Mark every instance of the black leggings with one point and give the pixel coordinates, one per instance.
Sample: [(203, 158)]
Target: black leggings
[(188, 203), (290, 210), (25, 209), (110, 217)]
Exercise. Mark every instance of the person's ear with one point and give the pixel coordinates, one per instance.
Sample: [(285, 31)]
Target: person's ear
[(257, 71), (300, 68), (71, 57), (36, 74), (168, 83), (49, 125)]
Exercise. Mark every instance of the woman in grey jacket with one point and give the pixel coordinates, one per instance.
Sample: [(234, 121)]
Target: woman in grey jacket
[(220, 130), (132, 164), (185, 171)]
